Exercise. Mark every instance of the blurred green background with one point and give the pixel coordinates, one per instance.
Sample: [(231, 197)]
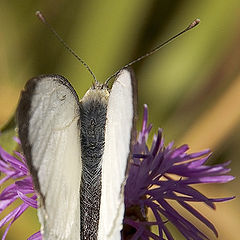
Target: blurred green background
[(192, 86)]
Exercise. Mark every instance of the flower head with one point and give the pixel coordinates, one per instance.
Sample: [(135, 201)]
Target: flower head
[(156, 175), (164, 173)]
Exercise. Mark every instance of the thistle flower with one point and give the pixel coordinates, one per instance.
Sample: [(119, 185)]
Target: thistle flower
[(151, 183), (155, 176)]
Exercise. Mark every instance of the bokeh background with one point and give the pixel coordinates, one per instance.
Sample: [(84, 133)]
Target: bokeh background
[(192, 86)]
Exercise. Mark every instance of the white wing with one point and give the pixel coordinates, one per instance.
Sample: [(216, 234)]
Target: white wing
[(48, 115), (120, 114)]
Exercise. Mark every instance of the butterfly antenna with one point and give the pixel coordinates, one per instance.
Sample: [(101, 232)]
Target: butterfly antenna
[(43, 20), (192, 25)]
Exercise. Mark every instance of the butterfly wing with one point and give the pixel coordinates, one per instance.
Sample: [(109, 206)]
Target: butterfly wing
[(119, 125), (48, 122)]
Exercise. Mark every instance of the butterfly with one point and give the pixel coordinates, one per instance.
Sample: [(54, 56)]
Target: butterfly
[(78, 153)]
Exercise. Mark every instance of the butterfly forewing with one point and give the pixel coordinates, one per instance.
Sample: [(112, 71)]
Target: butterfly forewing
[(48, 122), (119, 127)]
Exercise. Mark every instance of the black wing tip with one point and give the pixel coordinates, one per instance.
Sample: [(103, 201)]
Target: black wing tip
[(22, 120), (32, 82)]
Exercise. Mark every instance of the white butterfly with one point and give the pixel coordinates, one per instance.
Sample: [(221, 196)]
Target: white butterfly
[(78, 153)]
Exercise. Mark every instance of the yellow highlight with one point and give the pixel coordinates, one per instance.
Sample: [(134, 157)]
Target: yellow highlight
[(217, 122)]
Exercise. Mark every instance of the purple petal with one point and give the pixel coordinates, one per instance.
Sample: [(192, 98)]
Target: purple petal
[(199, 216), (7, 218), (29, 201), (17, 140), (36, 236), (19, 211)]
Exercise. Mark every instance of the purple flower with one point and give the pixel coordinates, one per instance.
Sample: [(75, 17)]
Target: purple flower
[(155, 176), (164, 173), (15, 168)]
